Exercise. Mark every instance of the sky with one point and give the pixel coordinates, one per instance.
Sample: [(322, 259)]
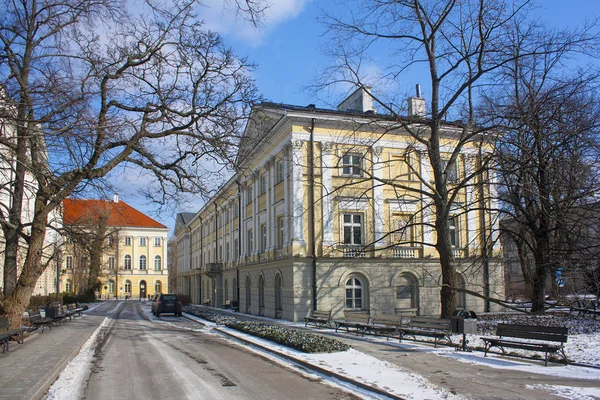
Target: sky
[(287, 49), (365, 368)]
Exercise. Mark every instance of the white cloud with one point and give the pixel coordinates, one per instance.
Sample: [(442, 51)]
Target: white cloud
[(220, 16)]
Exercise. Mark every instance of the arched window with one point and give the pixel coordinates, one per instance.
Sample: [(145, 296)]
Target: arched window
[(68, 286), (278, 292), (234, 288), (127, 262), (157, 287), (461, 297), (157, 263), (128, 286), (261, 292), (142, 263), (354, 293), (407, 292), (248, 293)]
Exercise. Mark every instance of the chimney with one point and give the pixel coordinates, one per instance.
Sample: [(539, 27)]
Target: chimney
[(115, 198), (359, 101), (416, 104)]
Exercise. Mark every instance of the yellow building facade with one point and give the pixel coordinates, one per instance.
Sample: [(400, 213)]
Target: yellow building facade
[(327, 210), (134, 250)]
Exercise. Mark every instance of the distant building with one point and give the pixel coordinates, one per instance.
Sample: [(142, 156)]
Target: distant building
[(307, 223), (134, 252)]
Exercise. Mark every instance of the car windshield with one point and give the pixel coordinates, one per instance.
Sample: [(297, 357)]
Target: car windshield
[(169, 298)]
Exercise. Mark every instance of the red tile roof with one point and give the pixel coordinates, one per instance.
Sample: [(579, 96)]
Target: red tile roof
[(121, 214)]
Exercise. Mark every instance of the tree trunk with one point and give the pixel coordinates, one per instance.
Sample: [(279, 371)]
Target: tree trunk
[(16, 304)]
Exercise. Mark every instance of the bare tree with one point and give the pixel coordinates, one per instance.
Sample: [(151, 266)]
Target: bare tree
[(89, 87), (460, 45), (548, 156)]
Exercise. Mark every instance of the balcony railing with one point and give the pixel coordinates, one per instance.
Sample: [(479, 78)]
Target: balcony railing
[(353, 252), (406, 252), (214, 267)]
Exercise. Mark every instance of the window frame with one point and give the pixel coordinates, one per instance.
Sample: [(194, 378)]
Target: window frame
[(143, 263), (280, 171), (454, 230), (159, 259), (352, 286), (157, 241), (127, 241), (127, 262), (351, 164), (351, 226)]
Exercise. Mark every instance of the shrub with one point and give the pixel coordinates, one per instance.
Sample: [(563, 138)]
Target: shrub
[(299, 340)]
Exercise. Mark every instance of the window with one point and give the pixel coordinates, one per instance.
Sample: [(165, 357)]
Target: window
[(453, 225), (263, 184), (263, 238), (248, 293), (157, 242), (157, 287), (157, 263), (127, 262), (143, 241), (250, 242), (69, 239), (280, 232), (403, 229), (261, 291), (128, 286), (111, 263), (236, 249), (110, 240), (407, 292), (461, 297), (451, 170), (111, 286), (353, 229), (69, 262), (142, 263), (68, 286), (127, 241), (249, 194), (278, 292), (227, 252), (354, 293), (351, 165), (280, 171), (236, 210)]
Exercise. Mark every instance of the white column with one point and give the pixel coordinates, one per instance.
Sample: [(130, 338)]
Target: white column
[(286, 196), (427, 208), (243, 240), (297, 193), (378, 216), (328, 164), (472, 203), (271, 220), (255, 224)]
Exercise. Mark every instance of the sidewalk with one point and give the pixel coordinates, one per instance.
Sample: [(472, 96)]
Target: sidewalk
[(28, 369)]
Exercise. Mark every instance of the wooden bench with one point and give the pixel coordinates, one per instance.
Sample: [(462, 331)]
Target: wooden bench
[(549, 339), (7, 334), (36, 320), (318, 318), (57, 314), (385, 325), (438, 328), (74, 310), (358, 321)]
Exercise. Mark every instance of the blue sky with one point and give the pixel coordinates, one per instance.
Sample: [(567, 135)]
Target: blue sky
[(288, 56)]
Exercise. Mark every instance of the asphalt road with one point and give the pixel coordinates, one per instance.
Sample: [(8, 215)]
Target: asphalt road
[(138, 359)]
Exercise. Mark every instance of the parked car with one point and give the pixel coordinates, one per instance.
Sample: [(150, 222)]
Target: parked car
[(166, 303)]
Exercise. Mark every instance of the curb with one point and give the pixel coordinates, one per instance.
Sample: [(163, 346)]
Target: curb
[(314, 367)]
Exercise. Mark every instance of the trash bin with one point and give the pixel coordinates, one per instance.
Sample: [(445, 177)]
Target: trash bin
[(464, 321)]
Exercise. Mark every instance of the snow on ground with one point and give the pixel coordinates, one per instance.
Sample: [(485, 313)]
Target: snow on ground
[(70, 383)]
